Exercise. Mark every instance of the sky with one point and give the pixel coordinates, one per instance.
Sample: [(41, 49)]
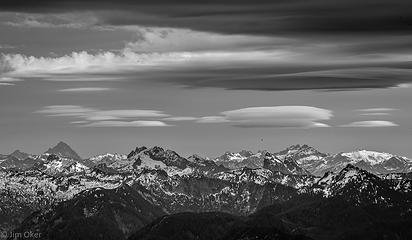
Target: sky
[(206, 76)]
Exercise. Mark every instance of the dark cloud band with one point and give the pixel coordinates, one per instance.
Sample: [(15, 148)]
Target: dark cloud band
[(227, 16)]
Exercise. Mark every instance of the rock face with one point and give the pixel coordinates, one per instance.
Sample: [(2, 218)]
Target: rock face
[(63, 150)]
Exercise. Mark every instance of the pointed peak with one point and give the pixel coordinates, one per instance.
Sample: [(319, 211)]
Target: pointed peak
[(64, 150), (62, 144)]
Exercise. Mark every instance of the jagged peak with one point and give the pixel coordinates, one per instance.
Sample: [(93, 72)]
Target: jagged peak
[(306, 147), (160, 150), (137, 150), (298, 146), (156, 148)]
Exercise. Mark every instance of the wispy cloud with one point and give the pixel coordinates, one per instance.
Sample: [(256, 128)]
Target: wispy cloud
[(9, 79), (85, 89), (213, 119), (166, 40), (79, 20), (126, 61), (180, 118), (372, 123), (127, 124), (380, 111), (6, 84), (273, 117), (375, 114), (376, 109), (97, 117), (235, 69)]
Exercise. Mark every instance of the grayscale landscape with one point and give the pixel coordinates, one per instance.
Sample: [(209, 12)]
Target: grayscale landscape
[(206, 120)]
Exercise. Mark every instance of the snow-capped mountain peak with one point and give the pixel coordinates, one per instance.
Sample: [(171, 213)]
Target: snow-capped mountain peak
[(372, 157), (372, 161)]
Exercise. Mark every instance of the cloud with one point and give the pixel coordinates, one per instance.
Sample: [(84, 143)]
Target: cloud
[(373, 123), (181, 118), (375, 114), (78, 20), (6, 84), (9, 79), (264, 17), (66, 110), (270, 70), (192, 58), (163, 40), (212, 119), (85, 89), (97, 117), (273, 117), (377, 109), (253, 117), (77, 62), (126, 124), (125, 62)]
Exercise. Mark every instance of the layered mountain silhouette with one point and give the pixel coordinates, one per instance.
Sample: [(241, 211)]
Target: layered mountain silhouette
[(156, 193)]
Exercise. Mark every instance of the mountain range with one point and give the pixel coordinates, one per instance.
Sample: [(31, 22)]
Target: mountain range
[(155, 193)]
